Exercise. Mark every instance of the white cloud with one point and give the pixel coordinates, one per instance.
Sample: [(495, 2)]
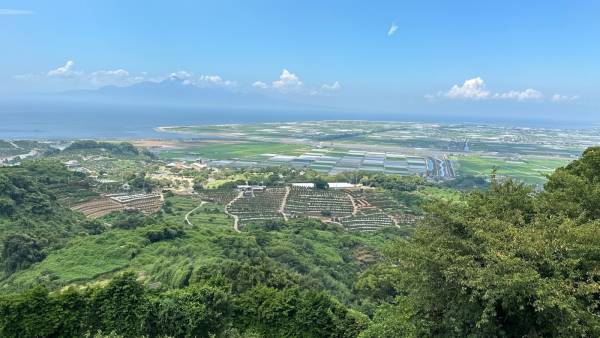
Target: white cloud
[(117, 77), (260, 84), (564, 98), (327, 89), (392, 30), (6, 11), (475, 89), (180, 75), (188, 78), (72, 78), (287, 81), (527, 94), (68, 77), (64, 71), (332, 87), (216, 80), (211, 78), (471, 89)]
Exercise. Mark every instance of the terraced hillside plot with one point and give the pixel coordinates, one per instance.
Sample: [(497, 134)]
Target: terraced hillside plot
[(312, 202), (367, 221), (377, 200), (382, 201), (75, 192), (218, 196), (372, 198), (258, 206), (146, 203), (98, 207)]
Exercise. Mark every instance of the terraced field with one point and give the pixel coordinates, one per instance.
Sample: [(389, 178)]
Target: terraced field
[(258, 206), (397, 211), (98, 207), (367, 220), (218, 196), (354, 210), (314, 202)]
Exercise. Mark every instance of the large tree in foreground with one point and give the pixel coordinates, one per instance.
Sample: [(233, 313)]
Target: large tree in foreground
[(506, 262)]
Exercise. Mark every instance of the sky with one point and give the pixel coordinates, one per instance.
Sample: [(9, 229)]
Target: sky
[(518, 58)]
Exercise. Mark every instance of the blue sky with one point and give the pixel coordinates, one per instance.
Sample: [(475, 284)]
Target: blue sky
[(518, 57)]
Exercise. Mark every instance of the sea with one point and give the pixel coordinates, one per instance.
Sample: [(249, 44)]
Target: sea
[(100, 122)]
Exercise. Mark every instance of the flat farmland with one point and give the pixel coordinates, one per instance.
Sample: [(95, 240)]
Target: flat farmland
[(227, 150), (404, 148), (527, 169)]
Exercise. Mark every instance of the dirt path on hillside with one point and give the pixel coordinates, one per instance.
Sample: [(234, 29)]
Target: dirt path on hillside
[(236, 219), (283, 203), (187, 219), (354, 206)]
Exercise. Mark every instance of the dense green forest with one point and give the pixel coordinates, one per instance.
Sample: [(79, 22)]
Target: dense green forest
[(499, 261), (118, 149), (31, 218)]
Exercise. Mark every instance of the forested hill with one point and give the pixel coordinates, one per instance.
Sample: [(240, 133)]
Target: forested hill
[(507, 262), (117, 149), (503, 262), (32, 219)]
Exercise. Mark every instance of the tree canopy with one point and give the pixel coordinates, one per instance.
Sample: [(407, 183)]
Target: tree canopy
[(505, 262)]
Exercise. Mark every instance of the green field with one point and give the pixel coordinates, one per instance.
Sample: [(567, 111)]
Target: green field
[(222, 151), (530, 170)]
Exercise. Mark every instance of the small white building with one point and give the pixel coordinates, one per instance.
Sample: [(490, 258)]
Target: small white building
[(341, 185), (72, 164)]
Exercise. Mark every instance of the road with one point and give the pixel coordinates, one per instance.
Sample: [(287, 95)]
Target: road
[(236, 220), (187, 219)]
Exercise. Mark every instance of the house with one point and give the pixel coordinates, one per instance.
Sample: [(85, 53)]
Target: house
[(72, 164)]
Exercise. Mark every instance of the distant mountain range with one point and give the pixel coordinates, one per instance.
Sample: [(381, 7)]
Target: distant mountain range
[(175, 91)]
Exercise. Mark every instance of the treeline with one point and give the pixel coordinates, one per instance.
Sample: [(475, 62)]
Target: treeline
[(507, 262), (394, 182), (128, 308), (120, 149)]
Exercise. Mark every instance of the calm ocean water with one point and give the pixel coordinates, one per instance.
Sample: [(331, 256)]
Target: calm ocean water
[(124, 123)]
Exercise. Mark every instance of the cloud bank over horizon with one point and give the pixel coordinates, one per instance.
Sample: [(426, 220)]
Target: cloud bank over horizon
[(9, 11), (475, 89), (68, 77)]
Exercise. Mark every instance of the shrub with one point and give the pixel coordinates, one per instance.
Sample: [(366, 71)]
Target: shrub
[(164, 234), (20, 251)]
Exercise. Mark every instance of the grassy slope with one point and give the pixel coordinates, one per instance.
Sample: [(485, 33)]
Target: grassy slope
[(325, 255)]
